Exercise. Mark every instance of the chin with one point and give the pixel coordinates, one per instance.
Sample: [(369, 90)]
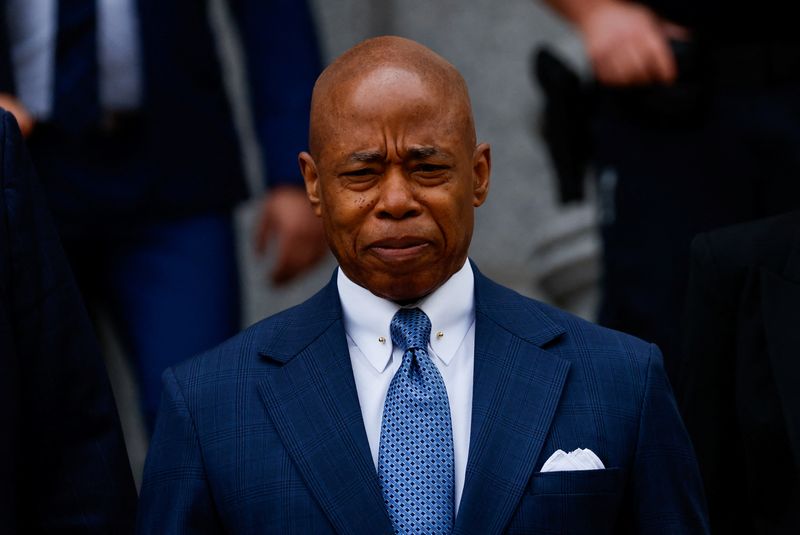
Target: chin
[(403, 291)]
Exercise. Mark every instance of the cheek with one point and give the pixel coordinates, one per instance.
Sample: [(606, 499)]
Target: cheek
[(363, 202), (455, 221), (343, 215)]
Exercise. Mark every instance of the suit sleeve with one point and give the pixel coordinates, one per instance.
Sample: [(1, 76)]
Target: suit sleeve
[(72, 473), (706, 382), (283, 62), (175, 496), (666, 488)]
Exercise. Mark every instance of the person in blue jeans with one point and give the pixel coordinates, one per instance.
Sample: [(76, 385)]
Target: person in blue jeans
[(130, 129)]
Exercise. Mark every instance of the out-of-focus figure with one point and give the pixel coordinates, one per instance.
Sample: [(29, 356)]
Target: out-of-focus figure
[(132, 135), (63, 466), (738, 383), (695, 124)]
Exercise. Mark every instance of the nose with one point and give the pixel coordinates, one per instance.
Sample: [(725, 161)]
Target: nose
[(397, 196)]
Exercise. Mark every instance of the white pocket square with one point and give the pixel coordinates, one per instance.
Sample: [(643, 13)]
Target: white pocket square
[(579, 459)]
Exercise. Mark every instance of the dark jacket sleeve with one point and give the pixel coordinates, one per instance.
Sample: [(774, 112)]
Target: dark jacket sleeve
[(66, 458), (283, 62), (706, 382)]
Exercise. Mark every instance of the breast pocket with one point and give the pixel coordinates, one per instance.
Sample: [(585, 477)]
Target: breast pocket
[(573, 502), (605, 481)]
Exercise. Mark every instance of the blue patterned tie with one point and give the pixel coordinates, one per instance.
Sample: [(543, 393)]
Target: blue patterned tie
[(415, 461)]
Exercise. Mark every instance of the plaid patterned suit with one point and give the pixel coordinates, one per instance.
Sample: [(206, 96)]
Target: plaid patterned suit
[(263, 434)]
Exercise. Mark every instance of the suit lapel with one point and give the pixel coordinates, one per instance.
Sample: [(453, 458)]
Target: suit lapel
[(517, 386), (312, 400), (780, 297)]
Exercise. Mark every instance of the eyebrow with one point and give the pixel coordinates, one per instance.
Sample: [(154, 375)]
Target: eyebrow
[(414, 153), (420, 153), (366, 156)]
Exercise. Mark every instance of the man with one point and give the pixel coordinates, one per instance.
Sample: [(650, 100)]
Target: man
[(63, 466), (738, 384), (119, 96), (694, 127), (412, 394)]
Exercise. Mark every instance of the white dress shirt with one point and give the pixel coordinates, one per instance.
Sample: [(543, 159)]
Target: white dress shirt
[(451, 309)]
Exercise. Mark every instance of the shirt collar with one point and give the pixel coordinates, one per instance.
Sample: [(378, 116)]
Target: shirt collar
[(451, 309)]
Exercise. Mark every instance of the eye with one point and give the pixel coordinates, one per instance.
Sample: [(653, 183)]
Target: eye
[(359, 179), (430, 172), (361, 172), (430, 168)]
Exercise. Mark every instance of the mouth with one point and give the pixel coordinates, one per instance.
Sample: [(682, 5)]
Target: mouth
[(398, 249)]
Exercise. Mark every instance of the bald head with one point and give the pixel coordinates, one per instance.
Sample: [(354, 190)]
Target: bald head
[(383, 67)]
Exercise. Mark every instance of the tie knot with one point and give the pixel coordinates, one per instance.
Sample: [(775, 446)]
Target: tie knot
[(410, 329)]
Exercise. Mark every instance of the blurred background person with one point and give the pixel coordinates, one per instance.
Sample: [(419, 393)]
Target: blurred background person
[(695, 124), (737, 383), (63, 465), (130, 129)]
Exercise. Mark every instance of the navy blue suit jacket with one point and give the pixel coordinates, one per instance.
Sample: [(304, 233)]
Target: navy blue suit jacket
[(181, 155), (63, 466), (264, 433)]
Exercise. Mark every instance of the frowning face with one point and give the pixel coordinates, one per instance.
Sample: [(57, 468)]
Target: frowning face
[(396, 179)]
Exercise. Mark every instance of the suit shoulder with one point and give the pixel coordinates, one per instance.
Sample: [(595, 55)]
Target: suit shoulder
[(761, 243), (285, 332), (583, 333), (598, 355), (563, 329)]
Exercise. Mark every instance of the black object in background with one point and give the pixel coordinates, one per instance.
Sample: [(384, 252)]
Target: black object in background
[(564, 122)]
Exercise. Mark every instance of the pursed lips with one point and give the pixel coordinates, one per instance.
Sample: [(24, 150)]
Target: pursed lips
[(395, 249)]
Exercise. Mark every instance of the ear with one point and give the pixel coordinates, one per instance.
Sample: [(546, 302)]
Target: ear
[(311, 177), (481, 170)]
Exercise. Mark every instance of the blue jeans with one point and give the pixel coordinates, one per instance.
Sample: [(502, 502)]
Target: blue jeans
[(171, 288)]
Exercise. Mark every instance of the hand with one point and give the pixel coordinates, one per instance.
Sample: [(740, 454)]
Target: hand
[(286, 216), (627, 44), (15, 106)]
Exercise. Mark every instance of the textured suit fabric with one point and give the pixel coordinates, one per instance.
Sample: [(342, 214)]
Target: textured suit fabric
[(63, 466), (738, 380), (264, 433)]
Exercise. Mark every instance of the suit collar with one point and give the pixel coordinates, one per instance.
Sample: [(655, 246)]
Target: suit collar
[(301, 325), (305, 322), (520, 316)]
